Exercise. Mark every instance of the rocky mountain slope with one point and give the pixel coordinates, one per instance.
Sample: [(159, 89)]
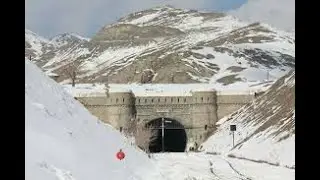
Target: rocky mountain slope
[(178, 45), (265, 129), (55, 50)]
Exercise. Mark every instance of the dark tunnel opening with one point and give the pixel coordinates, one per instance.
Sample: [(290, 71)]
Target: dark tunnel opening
[(175, 137)]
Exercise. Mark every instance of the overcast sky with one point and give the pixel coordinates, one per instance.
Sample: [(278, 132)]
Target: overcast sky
[(278, 13), (85, 17)]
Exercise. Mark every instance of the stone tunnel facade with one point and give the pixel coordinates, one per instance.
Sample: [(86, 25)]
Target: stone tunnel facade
[(198, 113)]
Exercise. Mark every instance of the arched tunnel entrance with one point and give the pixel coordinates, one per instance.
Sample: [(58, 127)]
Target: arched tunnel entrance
[(175, 137)]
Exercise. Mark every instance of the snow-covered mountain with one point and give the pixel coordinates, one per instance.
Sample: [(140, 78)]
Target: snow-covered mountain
[(34, 44), (57, 47), (265, 129), (180, 46), (64, 141)]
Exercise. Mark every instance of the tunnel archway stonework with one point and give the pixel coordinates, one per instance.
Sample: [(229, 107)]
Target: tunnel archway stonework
[(174, 135), (197, 113)]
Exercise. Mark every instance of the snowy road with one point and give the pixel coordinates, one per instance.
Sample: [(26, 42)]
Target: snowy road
[(200, 166)]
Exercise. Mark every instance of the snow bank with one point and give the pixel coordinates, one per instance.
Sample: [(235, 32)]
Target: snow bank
[(201, 166), (166, 89), (265, 129), (64, 141)]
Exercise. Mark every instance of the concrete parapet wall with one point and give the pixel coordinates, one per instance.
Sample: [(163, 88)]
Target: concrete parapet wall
[(226, 109), (227, 104), (150, 100), (102, 100), (234, 99), (100, 112), (120, 98)]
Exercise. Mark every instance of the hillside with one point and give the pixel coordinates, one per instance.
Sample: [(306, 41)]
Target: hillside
[(265, 129), (34, 44), (64, 141), (180, 46)]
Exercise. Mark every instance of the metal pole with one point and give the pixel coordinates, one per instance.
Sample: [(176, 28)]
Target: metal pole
[(232, 138), (162, 134), (162, 128)]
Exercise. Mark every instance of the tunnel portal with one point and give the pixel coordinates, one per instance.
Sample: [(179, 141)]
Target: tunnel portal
[(175, 137)]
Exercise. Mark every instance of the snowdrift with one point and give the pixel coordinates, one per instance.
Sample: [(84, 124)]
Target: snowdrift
[(64, 141), (265, 129)]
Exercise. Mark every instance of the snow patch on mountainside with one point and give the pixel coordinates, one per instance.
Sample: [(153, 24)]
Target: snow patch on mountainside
[(64, 39), (119, 57), (63, 55)]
